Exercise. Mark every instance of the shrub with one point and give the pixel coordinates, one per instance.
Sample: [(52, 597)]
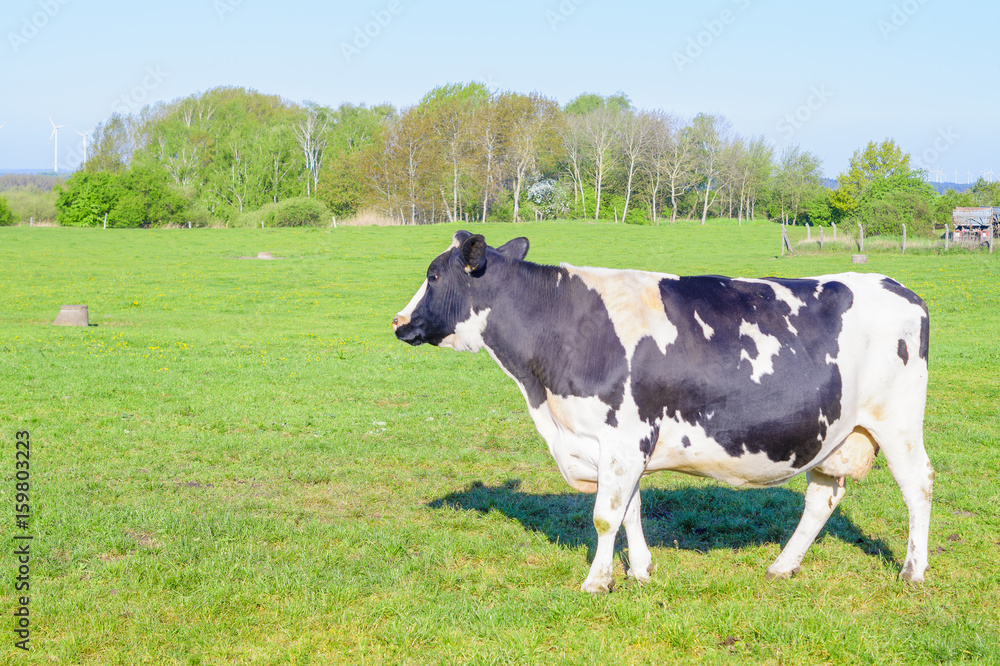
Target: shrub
[(298, 212), (136, 198), (6, 215), (29, 202), (549, 197)]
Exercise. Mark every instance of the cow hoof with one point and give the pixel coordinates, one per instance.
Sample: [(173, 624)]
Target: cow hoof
[(597, 587), (642, 574), (910, 575), (642, 578), (773, 574)]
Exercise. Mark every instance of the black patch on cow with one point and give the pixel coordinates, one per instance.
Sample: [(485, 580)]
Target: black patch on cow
[(612, 417), (705, 382), (647, 444), (550, 331), (891, 285), (546, 327), (925, 324), (903, 353), (685, 441), (925, 337)]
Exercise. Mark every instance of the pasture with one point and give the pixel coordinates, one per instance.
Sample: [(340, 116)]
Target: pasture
[(238, 463)]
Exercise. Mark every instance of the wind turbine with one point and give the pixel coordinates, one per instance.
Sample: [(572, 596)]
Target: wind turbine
[(84, 135), (956, 177), (968, 177), (55, 135)]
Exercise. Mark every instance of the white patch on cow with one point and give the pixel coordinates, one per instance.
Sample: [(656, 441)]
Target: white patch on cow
[(781, 293), (819, 290), (633, 302), (704, 456), (468, 335), (406, 313), (791, 329), (707, 330), (768, 347)]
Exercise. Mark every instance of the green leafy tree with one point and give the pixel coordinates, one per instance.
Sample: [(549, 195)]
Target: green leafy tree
[(6, 214), (984, 193), (146, 199), (450, 110), (946, 203), (877, 161), (816, 207), (587, 103), (86, 197), (342, 185), (889, 203)]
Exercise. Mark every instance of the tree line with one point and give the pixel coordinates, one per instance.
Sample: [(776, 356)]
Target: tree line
[(464, 152)]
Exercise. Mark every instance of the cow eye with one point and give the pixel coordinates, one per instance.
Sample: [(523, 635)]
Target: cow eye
[(432, 277)]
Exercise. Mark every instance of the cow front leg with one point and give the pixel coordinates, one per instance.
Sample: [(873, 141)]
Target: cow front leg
[(617, 483), (823, 493)]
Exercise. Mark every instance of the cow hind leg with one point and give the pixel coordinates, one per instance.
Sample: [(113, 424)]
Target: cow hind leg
[(617, 493), (640, 560), (912, 469), (823, 493)]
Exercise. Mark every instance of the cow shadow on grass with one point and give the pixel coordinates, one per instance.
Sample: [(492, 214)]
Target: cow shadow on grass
[(700, 518)]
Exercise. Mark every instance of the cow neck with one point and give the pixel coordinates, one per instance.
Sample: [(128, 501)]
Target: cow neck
[(523, 299), (552, 334)]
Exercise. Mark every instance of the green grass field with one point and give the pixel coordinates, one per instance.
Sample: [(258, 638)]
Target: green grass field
[(238, 463)]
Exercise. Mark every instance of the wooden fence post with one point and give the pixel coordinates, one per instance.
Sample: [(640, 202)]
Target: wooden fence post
[(105, 220), (946, 233), (821, 238), (861, 238), (991, 237), (834, 224), (785, 243), (904, 239)]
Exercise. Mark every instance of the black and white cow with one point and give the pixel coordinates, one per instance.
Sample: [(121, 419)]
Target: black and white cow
[(750, 381)]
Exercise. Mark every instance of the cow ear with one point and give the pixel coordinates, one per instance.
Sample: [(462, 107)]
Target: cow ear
[(514, 249), (473, 251)]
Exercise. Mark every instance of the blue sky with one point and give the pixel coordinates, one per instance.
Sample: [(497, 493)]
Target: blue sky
[(827, 76)]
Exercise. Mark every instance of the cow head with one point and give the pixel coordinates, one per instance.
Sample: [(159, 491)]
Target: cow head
[(444, 311)]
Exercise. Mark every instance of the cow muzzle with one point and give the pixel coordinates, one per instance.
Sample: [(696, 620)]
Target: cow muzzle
[(406, 331)]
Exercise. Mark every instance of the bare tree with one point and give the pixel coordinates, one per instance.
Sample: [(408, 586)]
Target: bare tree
[(633, 136), (798, 172), (679, 164), (310, 133), (652, 163), (710, 134), (755, 173), (182, 166), (531, 122), (488, 132), (450, 110), (575, 151), (600, 128)]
